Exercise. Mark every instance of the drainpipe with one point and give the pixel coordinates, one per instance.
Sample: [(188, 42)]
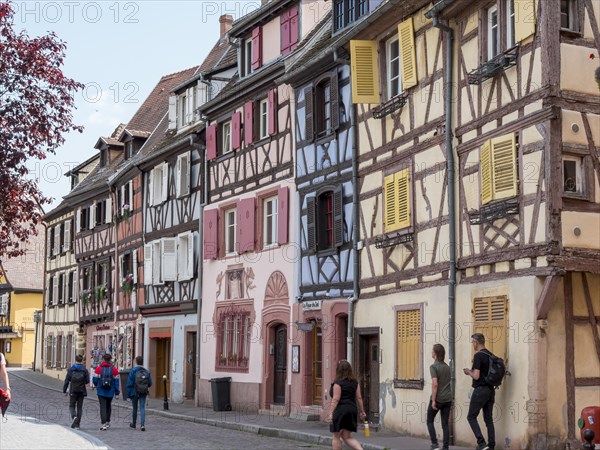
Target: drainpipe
[(194, 143), (356, 220), (433, 14)]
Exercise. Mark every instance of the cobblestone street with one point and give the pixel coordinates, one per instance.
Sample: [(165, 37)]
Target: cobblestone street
[(36, 406)]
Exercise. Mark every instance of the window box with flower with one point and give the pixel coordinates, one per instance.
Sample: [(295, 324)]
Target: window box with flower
[(126, 209), (86, 295), (127, 284), (100, 292)]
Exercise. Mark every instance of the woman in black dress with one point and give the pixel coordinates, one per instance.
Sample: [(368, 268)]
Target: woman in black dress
[(346, 401)]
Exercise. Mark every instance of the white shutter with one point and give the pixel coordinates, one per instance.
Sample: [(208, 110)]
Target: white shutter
[(156, 262), (78, 220), (108, 218), (130, 187), (55, 290), (53, 362), (63, 353), (147, 264), (75, 283), (134, 265), (169, 259), (184, 175), (93, 216), (178, 192), (191, 260), (121, 271), (172, 112), (57, 248), (165, 182), (151, 188), (189, 110), (65, 287), (49, 232), (67, 245)]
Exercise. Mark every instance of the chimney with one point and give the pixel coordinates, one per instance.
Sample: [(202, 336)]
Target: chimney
[(225, 20)]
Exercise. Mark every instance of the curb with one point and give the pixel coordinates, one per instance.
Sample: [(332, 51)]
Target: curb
[(248, 428)]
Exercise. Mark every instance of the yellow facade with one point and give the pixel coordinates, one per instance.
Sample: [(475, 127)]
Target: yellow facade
[(22, 347)]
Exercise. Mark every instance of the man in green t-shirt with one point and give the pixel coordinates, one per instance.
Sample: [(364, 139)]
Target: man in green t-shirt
[(441, 396)]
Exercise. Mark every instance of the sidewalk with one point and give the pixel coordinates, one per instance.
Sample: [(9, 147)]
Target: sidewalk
[(267, 425), (28, 433)]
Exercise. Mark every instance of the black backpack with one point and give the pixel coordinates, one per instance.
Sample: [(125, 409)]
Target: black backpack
[(141, 381), (496, 370), (106, 378), (77, 381)]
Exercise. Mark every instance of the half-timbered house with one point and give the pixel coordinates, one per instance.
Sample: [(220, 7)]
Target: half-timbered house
[(94, 245), (248, 259), (61, 309), (478, 164), (325, 271), (127, 194)]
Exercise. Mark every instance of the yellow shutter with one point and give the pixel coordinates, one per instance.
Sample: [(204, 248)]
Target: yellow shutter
[(391, 208), (406, 33), (504, 167), (525, 18), (489, 316), (403, 192), (409, 345), (365, 73), (485, 162)]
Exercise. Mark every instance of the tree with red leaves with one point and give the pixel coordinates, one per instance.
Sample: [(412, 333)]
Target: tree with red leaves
[(36, 103)]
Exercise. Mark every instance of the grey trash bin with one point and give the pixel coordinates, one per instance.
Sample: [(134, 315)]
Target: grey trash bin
[(124, 375), (220, 393)]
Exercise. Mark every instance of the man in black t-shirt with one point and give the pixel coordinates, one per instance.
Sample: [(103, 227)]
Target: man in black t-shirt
[(483, 395)]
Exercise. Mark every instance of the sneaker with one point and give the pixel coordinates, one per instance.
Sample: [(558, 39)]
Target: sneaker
[(74, 422), (132, 425), (435, 447), (483, 447), (107, 425), (143, 428), (104, 427)]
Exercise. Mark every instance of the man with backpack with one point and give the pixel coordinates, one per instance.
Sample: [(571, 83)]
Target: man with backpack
[(106, 380), (78, 377), (484, 392), (138, 385)]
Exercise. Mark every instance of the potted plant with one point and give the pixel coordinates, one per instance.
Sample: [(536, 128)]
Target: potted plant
[(85, 296), (126, 210), (242, 360), (100, 292), (222, 360), (127, 284)]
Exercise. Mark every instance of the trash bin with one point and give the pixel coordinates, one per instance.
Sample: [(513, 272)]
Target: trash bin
[(124, 375), (220, 393), (590, 420)]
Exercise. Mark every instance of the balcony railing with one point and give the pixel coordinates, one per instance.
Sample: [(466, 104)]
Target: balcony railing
[(494, 66), (390, 106), (495, 210), (391, 239)]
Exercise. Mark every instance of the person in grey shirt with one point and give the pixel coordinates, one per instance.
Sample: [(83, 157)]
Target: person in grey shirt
[(441, 396)]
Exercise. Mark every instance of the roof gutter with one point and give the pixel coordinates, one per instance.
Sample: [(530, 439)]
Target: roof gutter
[(433, 14)]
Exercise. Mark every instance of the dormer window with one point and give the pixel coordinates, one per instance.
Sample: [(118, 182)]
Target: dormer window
[(346, 12), (103, 158), (247, 57), (252, 52)]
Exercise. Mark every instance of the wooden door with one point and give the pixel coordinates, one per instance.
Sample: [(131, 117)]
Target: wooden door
[(317, 364), (190, 365), (163, 362), (280, 364), (369, 374)]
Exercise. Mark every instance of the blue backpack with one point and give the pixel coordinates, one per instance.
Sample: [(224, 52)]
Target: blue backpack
[(106, 378)]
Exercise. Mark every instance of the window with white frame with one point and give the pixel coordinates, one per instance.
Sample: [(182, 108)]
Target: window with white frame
[(168, 259), (493, 32), (159, 184), (393, 67), (270, 221), (183, 113), (225, 138), (510, 23), (264, 118), (572, 175), (230, 231), (61, 288), (185, 256), (183, 174), (4, 305), (125, 196), (247, 58), (84, 218), (568, 15)]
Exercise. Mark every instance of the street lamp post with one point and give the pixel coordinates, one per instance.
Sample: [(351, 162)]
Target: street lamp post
[(37, 318), (165, 399)]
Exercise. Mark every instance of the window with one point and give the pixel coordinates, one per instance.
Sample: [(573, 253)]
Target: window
[(69, 347), (490, 319), (71, 287), (568, 15), (393, 67), (58, 361), (52, 240), (247, 58), (156, 263), (346, 12), (61, 289), (4, 305), (572, 175), (125, 198), (323, 108), (230, 232), (103, 158), (264, 118), (235, 332), (225, 138), (102, 275), (126, 265), (182, 100), (183, 174), (510, 23), (270, 221), (498, 161), (159, 184), (101, 215), (325, 221), (493, 32), (51, 289), (185, 256), (84, 218), (409, 347), (397, 200), (185, 107)]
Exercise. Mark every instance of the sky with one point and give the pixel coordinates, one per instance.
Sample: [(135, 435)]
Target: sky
[(119, 50)]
